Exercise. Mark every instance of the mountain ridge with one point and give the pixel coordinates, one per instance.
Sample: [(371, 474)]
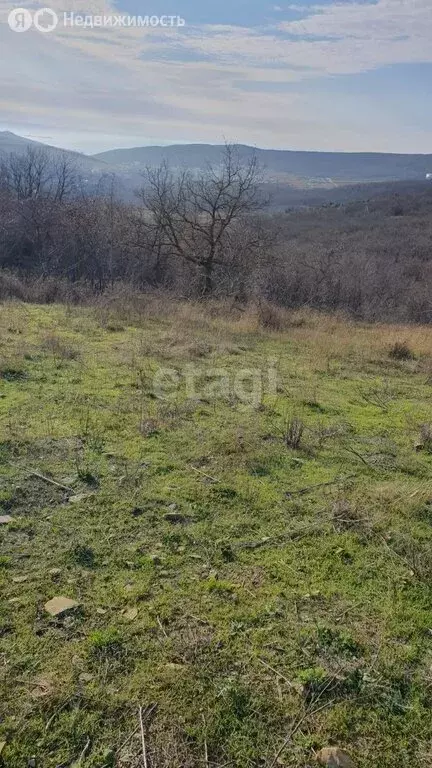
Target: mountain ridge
[(305, 169)]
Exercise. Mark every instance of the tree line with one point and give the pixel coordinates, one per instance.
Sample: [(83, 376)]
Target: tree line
[(212, 233)]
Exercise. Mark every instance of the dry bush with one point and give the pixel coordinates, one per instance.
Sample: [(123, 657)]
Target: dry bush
[(270, 316), (293, 432), (425, 440), (401, 351), (12, 287), (59, 348)]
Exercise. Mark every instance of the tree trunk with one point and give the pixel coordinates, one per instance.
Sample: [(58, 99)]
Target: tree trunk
[(208, 278)]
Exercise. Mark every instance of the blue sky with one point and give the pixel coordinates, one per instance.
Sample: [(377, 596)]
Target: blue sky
[(322, 75)]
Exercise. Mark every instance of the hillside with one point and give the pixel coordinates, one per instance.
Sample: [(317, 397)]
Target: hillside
[(254, 572), (318, 168), (12, 143), (318, 175)]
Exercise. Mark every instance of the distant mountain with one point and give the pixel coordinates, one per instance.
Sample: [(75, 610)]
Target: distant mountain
[(288, 173), (11, 142), (308, 169)]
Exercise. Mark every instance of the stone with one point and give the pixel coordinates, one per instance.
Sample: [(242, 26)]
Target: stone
[(2, 746), (19, 579), (55, 572), (5, 519), (60, 605), (101, 611), (130, 614), (334, 757)]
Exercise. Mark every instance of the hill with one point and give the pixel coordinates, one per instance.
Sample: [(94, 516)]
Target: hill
[(304, 168), (12, 143)]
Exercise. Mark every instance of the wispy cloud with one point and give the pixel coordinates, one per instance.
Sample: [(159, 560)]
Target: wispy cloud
[(264, 84)]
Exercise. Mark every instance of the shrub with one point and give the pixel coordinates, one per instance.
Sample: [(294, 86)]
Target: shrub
[(59, 348), (293, 434), (270, 316), (401, 351), (425, 441), (83, 555), (12, 373)]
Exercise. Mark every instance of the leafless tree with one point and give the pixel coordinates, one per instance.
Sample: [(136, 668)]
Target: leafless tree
[(193, 216)]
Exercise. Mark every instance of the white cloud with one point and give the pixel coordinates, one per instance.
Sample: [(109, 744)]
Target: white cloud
[(203, 83)]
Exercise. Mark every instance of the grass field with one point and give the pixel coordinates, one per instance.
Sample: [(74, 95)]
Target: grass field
[(258, 579)]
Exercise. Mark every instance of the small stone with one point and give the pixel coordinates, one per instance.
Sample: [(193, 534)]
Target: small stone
[(2, 746), (130, 614), (5, 519), (14, 600), (55, 572), (59, 605), (78, 497), (334, 757), (85, 677), (101, 611), (19, 579)]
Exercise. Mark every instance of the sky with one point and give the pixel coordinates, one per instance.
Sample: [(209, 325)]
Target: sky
[(310, 74)]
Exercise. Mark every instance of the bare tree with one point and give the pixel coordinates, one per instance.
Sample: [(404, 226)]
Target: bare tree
[(193, 216), (38, 174)]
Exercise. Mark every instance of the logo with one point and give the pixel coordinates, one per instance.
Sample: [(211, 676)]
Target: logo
[(21, 20), (45, 20)]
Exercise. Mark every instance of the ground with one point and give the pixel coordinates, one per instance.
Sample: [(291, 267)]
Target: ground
[(254, 571)]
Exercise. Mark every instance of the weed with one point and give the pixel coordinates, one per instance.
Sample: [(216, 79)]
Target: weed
[(425, 440), (270, 316), (105, 643), (293, 432), (83, 555), (59, 348), (11, 373)]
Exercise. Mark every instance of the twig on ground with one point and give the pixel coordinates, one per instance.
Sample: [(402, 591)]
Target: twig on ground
[(143, 742), (337, 481), (52, 482), (57, 712), (161, 627), (206, 760), (127, 740), (279, 674), (84, 752), (200, 472), (309, 713), (359, 456)]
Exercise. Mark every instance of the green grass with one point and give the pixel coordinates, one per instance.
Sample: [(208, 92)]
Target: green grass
[(247, 589)]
